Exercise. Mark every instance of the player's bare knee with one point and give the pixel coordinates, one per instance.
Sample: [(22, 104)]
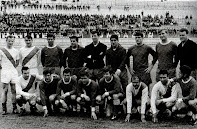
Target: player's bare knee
[(57, 102), (51, 98), (78, 99), (73, 97)]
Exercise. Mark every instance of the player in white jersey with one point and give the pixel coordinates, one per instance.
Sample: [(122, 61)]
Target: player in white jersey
[(30, 56), (27, 91), (9, 60)]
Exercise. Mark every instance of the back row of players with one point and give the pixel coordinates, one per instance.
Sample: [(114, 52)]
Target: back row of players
[(88, 81)]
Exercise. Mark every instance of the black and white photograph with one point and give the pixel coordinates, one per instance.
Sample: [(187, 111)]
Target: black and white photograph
[(103, 64)]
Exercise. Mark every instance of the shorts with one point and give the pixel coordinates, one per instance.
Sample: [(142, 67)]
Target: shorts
[(9, 75)]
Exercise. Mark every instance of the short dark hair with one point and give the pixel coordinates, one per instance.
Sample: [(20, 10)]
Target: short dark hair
[(95, 32), (114, 36), (24, 68), (184, 30), (165, 30), (28, 37), (139, 34), (74, 37), (47, 71), (109, 69), (185, 70), (66, 70), (135, 77), (50, 35), (10, 36), (163, 71)]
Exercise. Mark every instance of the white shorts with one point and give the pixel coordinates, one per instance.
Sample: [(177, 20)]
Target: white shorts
[(33, 71), (9, 75)]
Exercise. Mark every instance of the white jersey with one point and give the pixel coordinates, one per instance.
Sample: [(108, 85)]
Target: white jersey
[(21, 84), (34, 61), (5, 62)]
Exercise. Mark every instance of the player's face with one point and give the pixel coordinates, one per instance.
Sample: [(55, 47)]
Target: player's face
[(107, 76), (50, 41), (25, 74), (47, 77), (114, 43), (10, 42), (95, 38), (138, 40), (84, 80), (74, 43), (163, 35), (66, 76), (163, 78), (136, 83), (183, 36), (28, 42)]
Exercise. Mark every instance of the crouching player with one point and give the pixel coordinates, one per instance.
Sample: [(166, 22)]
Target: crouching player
[(26, 90), (111, 92), (68, 85), (163, 96), (137, 98), (87, 91), (48, 89), (188, 100)]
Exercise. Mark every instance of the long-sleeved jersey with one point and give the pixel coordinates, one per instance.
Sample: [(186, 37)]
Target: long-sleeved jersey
[(47, 89), (113, 87), (141, 93), (140, 56), (73, 58), (25, 87), (70, 86), (116, 57), (189, 89), (167, 93), (91, 90), (166, 55), (51, 56)]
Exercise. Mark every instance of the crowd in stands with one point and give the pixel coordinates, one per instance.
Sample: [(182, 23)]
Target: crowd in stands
[(61, 23)]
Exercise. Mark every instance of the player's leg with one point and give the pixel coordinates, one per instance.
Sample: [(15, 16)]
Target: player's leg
[(21, 103), (13, 91), (4, 98)]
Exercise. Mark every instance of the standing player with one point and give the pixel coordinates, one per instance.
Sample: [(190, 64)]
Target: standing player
[(186, 50), (26, 90), (30, 56), (48, 89), (140, 53), (166, 51), (94, 57), (73, 57), (137, 97), (9, 60), (114, 57), (87, 91), (68, 85), (163, 96), (51, 55)]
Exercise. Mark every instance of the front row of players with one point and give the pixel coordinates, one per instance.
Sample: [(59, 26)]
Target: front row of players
[(106, 97)]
